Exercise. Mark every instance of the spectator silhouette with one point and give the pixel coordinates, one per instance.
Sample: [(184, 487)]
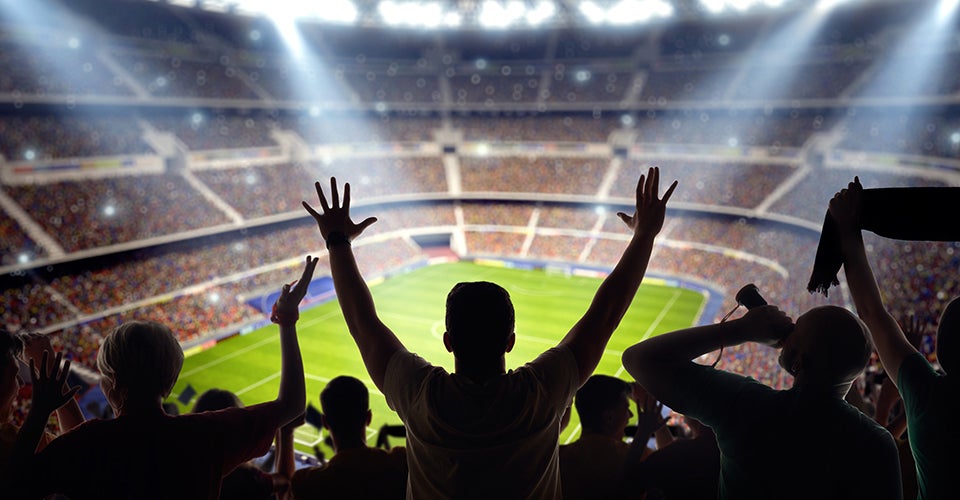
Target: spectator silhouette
[(356, 470), (928, 396), (592, 466), (483, 431), (144, 453), (687, 469), (35, 348), (247, 481), (773, 442)]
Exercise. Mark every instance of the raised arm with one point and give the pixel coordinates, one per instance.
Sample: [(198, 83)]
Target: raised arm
[(50, 392), (655, 362), (376, 342), (588, 338), (34, 345), (892, 345), (292, 396)]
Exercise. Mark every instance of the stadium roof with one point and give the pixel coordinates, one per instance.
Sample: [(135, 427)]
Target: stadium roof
[(507, 14)]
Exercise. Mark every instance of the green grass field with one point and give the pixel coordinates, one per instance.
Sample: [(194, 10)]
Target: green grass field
[(413, 306)]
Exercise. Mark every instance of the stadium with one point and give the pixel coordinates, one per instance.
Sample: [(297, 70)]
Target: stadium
[(155, 154)]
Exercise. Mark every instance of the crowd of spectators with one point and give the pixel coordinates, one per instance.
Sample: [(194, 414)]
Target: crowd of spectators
[(543, 128), (259, 191), (492, 87), (905, 133), (166, 75), (174, 287), (807, 199), (668, 84), (56, 67), (14, 242), (42, 137), (734, 129), (584, 84), (101, 212), (321, 128), (558, 175), (394, 87), (497, 213), (710, 183), (494, 243), (391, 176), (568, 217), (555, 247), (200, 130), (792, 82), (407, 216), (30, 306)]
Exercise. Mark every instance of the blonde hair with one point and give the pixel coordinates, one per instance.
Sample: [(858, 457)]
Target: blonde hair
[(142, 358)]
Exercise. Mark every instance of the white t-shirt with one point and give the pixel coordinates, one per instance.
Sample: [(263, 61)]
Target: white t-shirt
[(493, 440)]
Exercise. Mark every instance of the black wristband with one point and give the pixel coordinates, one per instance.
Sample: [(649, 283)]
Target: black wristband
[(337, 238)]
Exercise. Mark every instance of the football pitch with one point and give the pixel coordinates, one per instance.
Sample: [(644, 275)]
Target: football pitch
[(412, 305)]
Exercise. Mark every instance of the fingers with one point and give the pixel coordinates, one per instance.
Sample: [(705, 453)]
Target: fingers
[(669, 193), (311, 211), (365, 224), (334, 193), (346, 196), (322, 197)]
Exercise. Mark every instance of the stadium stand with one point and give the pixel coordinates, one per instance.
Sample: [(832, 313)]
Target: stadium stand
[(522, 159)]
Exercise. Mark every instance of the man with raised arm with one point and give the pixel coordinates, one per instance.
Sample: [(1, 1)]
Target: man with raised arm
[(928, 396), (483, 431), (801, 443)]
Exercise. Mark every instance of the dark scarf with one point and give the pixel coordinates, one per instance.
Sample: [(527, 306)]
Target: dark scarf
[(917, 214)]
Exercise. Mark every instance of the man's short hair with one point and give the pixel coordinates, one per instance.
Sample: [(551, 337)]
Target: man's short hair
[(345, 402), (141, 357), (480, 319), (216, 399), (599, 394)]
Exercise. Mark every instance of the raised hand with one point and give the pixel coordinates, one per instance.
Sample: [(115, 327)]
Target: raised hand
[(287, 307), (335, 218), (649, 419), (913, 329), (845, 206), (34, 345), (650, 209), (49, 383)]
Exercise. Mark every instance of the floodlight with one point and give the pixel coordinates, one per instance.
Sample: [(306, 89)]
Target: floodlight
[(415, 14), (718, 6), (29, 154), (947, 8), (955, 137), (23, 258), (109, 210), (542, 12), (593, 12), (626, 11)]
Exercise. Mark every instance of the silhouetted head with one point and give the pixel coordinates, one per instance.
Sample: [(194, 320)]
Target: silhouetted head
[(603, 404), (480, 321), (139, 360), (216, 399), (10, 382), (947, 332), (345, 403), (829, 345)]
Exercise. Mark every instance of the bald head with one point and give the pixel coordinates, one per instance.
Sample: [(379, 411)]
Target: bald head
[(829, 344)]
